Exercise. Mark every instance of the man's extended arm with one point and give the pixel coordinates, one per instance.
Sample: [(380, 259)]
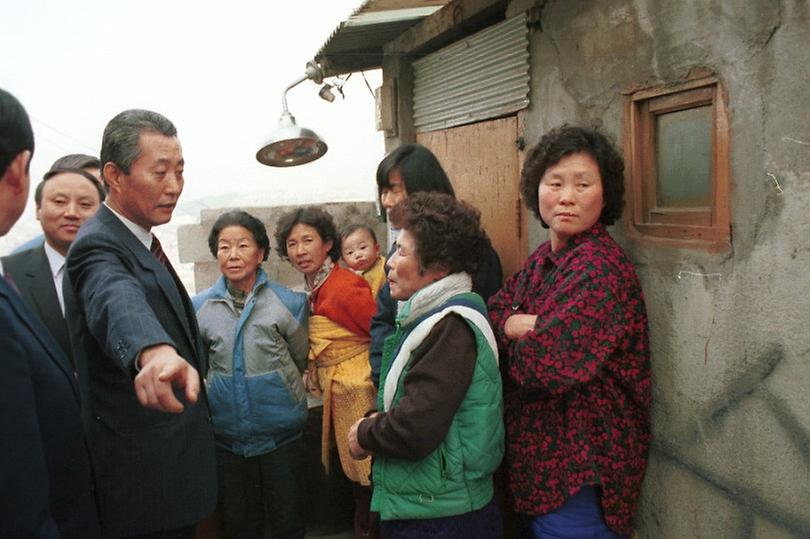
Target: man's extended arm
[(121, 320)]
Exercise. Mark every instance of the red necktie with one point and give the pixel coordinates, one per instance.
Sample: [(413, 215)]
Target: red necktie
[(158, 253), (157, 250)]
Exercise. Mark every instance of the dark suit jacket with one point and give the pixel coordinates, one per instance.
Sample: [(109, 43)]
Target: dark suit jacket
[(34, 280), (154, 471), (45, 479)]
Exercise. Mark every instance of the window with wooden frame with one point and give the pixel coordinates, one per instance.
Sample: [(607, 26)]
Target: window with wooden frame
[(677, 155)]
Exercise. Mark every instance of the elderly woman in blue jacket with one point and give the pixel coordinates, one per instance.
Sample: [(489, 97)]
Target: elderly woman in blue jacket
[(255, 332), (437, 434)]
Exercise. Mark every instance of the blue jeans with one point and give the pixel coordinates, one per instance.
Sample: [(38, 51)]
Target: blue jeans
[(270, 485), (580, 517)]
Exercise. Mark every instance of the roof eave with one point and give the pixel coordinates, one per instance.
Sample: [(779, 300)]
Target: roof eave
[(357, 43)]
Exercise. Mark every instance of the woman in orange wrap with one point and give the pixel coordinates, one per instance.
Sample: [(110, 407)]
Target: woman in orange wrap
[(341, 307)]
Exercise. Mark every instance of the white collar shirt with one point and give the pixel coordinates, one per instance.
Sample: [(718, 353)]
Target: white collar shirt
[(144, 236), (56, 261)]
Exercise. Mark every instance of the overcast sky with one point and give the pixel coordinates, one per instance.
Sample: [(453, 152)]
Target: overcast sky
[(216, 69)]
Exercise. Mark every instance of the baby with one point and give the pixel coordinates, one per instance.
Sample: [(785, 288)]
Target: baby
[(361, 253)]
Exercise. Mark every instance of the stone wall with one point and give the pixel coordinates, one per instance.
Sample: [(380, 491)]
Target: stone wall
[(192, 240), (729, 331)]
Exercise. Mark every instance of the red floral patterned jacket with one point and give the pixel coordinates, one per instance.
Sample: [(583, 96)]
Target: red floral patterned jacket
[(576, 388)]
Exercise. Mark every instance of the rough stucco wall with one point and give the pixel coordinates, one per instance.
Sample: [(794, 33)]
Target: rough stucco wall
[(731, 349), (193, 239)]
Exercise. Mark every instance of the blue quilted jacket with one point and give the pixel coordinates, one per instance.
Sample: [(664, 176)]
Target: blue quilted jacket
[(254, 383)]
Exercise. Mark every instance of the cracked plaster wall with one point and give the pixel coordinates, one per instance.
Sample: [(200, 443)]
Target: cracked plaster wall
[(731, 351)]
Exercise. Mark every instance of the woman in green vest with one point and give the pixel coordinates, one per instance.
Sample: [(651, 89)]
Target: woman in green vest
[(437, 434)]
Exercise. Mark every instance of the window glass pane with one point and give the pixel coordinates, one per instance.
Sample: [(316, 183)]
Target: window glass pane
[(684, 157)]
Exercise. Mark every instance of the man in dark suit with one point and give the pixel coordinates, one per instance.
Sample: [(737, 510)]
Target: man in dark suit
[(85, 163), (133, 326), (45, 468), (65, 199)]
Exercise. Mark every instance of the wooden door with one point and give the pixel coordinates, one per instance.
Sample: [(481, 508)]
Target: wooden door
[(483, 164)]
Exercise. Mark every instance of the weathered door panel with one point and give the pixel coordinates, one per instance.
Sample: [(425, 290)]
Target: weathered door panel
[(483, 163)]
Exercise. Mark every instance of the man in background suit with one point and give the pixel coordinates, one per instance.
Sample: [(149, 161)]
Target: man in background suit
[(65, 199), (133, 326), (45, 469), (84, 162)]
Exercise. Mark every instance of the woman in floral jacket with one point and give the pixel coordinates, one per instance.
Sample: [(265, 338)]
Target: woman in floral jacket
[(572, 328)]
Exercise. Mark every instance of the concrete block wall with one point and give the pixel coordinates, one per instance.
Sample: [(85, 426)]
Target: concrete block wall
[(729, 331), (192, 240)]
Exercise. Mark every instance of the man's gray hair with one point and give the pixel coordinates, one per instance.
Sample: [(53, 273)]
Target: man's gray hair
[(119, 144)]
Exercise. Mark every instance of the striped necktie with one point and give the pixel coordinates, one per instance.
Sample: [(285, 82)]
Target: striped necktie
[(157, 250), (158, 253)]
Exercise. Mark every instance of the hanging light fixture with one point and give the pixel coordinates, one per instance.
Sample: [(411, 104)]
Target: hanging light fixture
[(290, 145), (326, 94)]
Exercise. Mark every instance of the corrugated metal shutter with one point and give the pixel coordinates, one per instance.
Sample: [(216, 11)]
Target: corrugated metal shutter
[(483, 76)]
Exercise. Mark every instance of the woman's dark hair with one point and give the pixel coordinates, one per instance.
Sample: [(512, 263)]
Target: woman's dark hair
[(313, 216), (419, 168), (245, 220), (351, 229), (568, 140), (447, 231)]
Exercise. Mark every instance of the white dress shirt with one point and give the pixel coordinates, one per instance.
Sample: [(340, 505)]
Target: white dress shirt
[(57, 263), (143, 235)]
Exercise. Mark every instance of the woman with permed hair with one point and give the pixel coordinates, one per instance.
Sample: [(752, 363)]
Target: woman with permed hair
[(341, 306), (255, 335), (437, 433), (572, 330), (405, 171)]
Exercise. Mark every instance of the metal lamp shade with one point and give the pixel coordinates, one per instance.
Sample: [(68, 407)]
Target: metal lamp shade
[(290, 145)]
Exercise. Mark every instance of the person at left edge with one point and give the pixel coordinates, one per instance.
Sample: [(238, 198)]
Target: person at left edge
[(133, 326), (45, 483)]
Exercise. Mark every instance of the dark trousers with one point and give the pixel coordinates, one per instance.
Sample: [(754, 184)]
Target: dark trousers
[(179, 533), (329, 497), (266, 487), (366, 523), (485, 523)]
